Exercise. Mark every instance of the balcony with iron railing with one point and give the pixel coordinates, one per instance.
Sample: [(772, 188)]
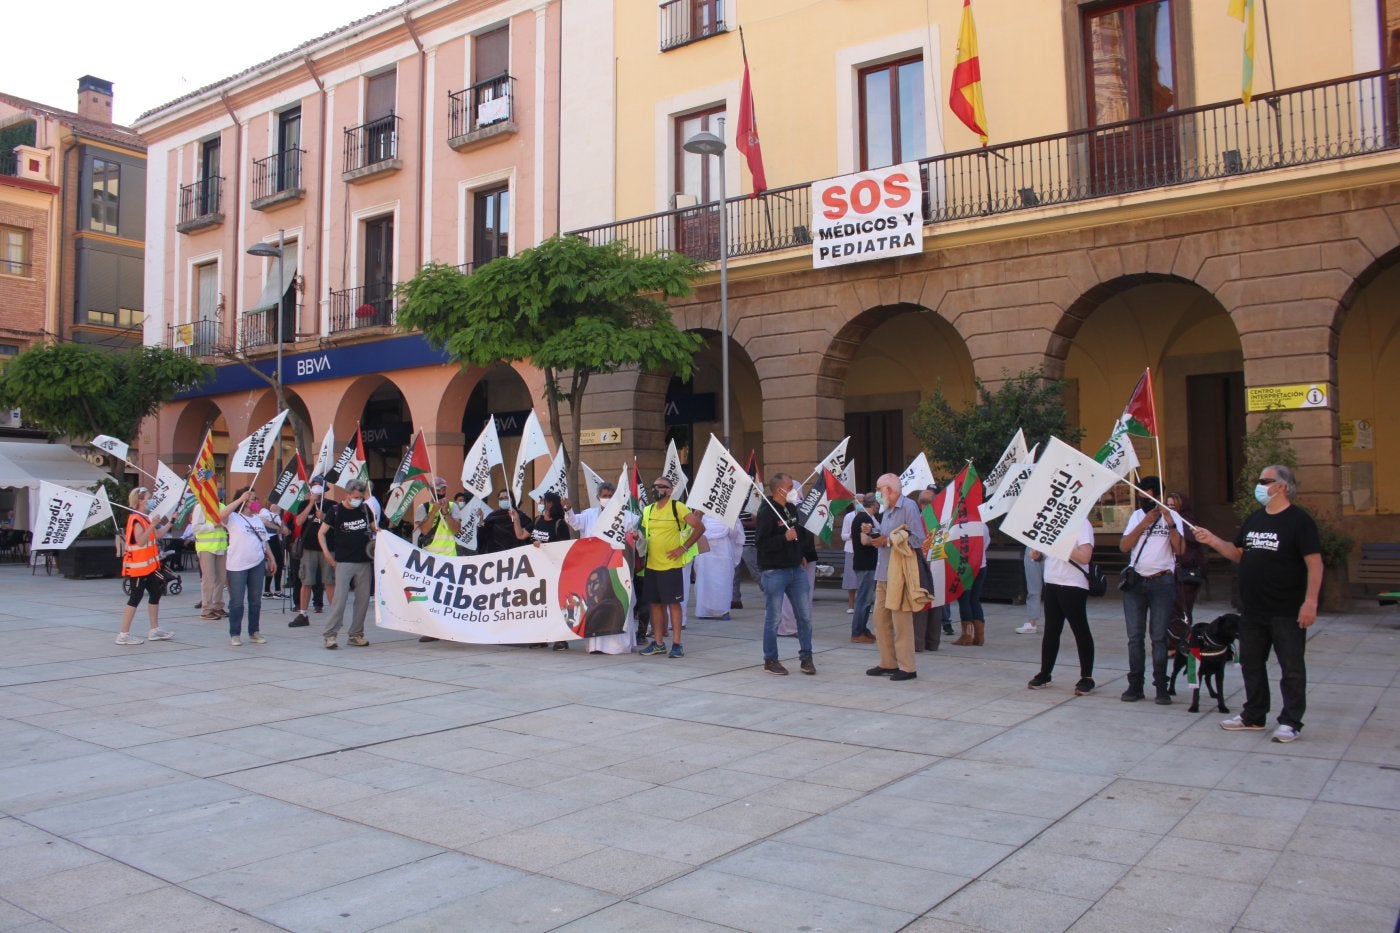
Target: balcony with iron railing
[(9, 163), (372, 149), (1348, 117), (481, 112), (200, 205), (277, 179), (687, 21), (368, 305), (196, 338), (260, 328)]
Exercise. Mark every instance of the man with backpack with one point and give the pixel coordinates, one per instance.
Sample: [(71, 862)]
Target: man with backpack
[(669, 530)]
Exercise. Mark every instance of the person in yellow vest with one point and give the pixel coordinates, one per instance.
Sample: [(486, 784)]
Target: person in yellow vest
[(211, 544), (436, 525), (140, 560), (670, 530)]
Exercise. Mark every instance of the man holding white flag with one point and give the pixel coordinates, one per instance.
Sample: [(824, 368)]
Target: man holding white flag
[(721, 485), (253, 451)]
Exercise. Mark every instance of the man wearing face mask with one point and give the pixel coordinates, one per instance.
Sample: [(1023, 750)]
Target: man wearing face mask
[(354, 526), (582, 522), (504, 528), (314, 567), (1280, 556), (781, 573), (671, 529)]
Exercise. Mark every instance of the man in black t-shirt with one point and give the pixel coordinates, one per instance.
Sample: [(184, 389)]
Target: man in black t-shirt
[(505, 527), (1280, 557), (353, 524), (863, 558)]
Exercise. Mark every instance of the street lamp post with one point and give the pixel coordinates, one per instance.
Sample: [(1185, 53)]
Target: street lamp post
[(268, 250), (706, 143)]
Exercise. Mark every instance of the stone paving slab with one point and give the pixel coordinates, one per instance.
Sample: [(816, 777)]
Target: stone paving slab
[(190, 785)]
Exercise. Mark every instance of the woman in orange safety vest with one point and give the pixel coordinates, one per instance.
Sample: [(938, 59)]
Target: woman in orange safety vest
[(140, 560)]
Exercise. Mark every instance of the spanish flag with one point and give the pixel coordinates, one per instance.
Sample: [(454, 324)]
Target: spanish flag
[(966, 95), (1243, 10)]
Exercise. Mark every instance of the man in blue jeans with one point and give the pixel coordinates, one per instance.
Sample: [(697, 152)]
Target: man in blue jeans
[(781, 572), (863, 559), (1152, 539)]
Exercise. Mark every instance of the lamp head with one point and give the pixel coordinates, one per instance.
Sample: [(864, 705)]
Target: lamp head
[(705, 143), (264, 249)]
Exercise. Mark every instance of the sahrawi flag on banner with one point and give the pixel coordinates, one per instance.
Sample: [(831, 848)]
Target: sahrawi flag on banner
[(1139, 419), (62, 514), (532, 447), (1058, 497), (110, 444), (1014, 453), (350, 464), (290, 491), (954, 543), (721, 486), (409, 478), (481, 459), (918, 475), (253, 451), (1001, 500)]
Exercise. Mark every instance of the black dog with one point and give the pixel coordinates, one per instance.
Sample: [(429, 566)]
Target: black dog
[(1214, 641)]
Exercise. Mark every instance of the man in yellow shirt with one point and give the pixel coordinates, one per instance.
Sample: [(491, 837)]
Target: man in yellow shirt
[(665, 524)]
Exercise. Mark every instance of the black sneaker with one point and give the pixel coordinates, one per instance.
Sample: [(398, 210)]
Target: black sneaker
[(1163, 698), (1131, 695), (1038, 681), (1084, 687), (881, 671), (807, 667), (903, 675), (299, 620), (774, 667)]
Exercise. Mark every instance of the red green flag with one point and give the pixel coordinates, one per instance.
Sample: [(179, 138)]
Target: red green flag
[(827, 499), (955, 541), (1141, 413), (408, 479)]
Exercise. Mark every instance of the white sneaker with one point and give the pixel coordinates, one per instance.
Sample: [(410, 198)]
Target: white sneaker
[(1237, 724), (126, 638), (1027, 629), (158, 634), (1285, 734), (235, 642), (257, 639), (850, 612)]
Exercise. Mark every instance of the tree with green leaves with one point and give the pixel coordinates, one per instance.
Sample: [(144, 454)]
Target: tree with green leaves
[(569, 308), (79, 391), (980, 432)]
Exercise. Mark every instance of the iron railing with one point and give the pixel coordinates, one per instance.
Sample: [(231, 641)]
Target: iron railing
[(197, 338), (686, 21), (481, 105), (200, 199), (1315, 123), (371, 143), (260, 327), (9, 163), (279, 172), (368, 305)]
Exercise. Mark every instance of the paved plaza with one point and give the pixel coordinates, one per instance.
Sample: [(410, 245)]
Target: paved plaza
[(188, 785)]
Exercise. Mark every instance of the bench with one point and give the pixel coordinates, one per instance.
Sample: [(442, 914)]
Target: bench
[(1380, 566)]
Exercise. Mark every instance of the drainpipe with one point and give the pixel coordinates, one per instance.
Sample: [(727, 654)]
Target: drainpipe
[(422, 122), (237, 210), (309, 254)]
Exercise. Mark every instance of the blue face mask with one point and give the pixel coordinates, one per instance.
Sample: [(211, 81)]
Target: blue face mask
[(1261, 493)]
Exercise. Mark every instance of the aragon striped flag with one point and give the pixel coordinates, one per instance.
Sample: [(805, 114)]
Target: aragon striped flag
[(966, 95)]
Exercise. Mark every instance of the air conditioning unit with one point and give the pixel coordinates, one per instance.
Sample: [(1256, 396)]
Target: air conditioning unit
[(9, 418)]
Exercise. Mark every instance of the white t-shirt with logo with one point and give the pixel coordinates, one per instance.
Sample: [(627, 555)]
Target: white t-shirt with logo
[(1155, 544), (246, 536), (1062, 572)]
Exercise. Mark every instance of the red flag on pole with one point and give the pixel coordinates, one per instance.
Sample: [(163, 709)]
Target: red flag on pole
[(965, 97), (746, 133), (1142, 408)]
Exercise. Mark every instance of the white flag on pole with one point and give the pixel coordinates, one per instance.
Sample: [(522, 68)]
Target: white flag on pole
[(721, 485), (592, 482), (485, 454), (532, 447), (60, 516), (1001, 500), (612, 521), (253, 451), (672, 471), (835, 461), (165, 494), (1058, 496), (471, 519), (116, 448), (918, 475), (101, 508), (556, 479), (1015, 453), (1118, 454), (326, 455)]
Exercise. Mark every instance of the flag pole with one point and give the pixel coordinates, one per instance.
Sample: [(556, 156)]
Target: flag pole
[(1157, 434)]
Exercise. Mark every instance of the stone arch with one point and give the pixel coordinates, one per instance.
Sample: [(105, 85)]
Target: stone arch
[(197, 416)]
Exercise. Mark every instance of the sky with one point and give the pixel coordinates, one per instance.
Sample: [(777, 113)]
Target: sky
[(153, 51)]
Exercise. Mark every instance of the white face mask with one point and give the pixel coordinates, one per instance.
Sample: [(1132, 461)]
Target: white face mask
[(603, 500), (356, 502), (318, 490), (503, 503)]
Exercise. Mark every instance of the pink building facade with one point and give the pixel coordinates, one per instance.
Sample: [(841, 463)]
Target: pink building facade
[(428, 133)]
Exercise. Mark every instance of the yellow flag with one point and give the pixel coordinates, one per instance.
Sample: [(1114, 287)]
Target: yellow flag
[(1243, 10)]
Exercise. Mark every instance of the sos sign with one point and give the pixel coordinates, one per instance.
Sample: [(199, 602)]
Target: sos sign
[(868, 215)]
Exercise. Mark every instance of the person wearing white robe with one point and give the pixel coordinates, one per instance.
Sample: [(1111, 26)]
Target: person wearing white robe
[(584, 523), (714, 571)]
